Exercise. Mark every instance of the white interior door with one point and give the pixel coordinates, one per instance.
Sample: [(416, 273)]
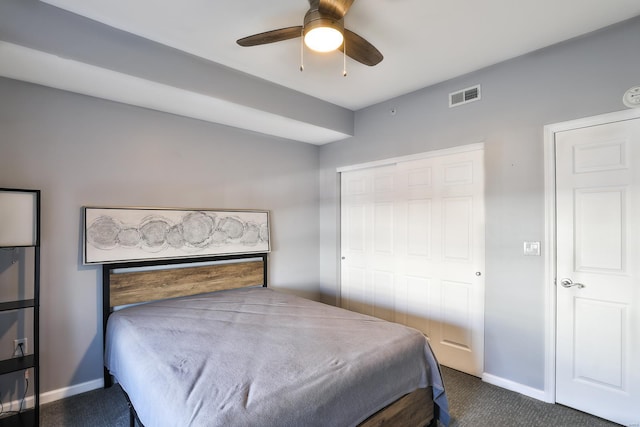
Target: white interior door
[(413, 250), (598, 270)]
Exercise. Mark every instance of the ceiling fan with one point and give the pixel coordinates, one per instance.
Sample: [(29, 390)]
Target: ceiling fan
[(323, 30)]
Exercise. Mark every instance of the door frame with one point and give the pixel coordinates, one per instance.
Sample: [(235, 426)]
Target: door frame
[(549, 246), (409, 157)]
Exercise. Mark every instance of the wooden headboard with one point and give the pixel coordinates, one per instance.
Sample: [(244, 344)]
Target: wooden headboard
[(145, 281)]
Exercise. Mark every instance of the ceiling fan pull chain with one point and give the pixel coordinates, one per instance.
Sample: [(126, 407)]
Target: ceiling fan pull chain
[(302, 51), (344, 59)]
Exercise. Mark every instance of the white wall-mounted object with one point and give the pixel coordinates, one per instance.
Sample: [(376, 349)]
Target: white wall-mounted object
[(18, 218), (464, 96), (631, 97), (531, 248)]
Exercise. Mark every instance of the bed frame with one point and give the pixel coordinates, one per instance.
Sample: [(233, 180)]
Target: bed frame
[(144, 281)]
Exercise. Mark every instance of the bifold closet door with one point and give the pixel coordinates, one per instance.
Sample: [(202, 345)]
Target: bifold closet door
[(412, 250)]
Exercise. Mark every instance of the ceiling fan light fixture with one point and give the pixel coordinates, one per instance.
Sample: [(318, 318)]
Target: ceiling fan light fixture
[(322, 34), (323, 39)]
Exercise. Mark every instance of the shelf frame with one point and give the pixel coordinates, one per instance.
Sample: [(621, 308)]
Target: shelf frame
[(28, 417)]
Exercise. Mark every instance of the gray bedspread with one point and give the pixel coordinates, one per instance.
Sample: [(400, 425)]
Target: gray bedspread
[(258, 357)]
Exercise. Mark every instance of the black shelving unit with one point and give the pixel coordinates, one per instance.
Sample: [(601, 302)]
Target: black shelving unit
[(30, 416)]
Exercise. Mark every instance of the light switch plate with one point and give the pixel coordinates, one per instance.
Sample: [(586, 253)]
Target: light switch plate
[(532, 248)]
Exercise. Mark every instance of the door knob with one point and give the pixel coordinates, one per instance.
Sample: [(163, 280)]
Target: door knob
[(568, 283)]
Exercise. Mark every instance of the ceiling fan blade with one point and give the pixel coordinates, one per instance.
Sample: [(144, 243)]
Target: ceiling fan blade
[(271, 36), (337, 8), (360, 49)]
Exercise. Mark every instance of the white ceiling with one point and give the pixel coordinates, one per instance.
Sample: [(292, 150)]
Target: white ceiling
[(423, 41)]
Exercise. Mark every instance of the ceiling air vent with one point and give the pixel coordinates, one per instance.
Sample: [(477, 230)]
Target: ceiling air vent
[(464, 96)]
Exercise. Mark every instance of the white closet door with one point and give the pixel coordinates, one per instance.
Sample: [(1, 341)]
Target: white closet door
[(413, 250)]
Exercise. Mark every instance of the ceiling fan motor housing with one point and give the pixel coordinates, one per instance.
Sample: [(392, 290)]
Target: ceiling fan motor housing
[(314, 18)]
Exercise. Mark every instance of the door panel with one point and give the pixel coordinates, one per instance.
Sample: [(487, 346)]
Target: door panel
[(418, 304), (356, 223), (367, 217), (383, 295), (598, 248), (383, 228), (419, 228), (457, 228), (354, 298), (600, 324), (456, 330), (600, 230)]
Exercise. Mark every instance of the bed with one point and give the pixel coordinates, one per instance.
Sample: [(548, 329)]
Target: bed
[(212, 345)]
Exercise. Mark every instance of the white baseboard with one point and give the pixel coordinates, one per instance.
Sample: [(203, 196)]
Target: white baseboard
[(52, 396), (61, 393), (514, 386)]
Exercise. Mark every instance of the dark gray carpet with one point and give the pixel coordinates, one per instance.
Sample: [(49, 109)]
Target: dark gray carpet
[(472, 402), (97, 408)]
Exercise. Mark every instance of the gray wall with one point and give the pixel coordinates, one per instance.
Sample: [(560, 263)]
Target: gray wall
[(579, 78), (83, 151)]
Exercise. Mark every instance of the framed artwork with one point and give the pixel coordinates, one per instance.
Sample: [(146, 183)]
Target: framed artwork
[(132, 234)]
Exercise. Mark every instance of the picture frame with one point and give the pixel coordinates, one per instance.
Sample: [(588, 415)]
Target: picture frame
[(123, 234)]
